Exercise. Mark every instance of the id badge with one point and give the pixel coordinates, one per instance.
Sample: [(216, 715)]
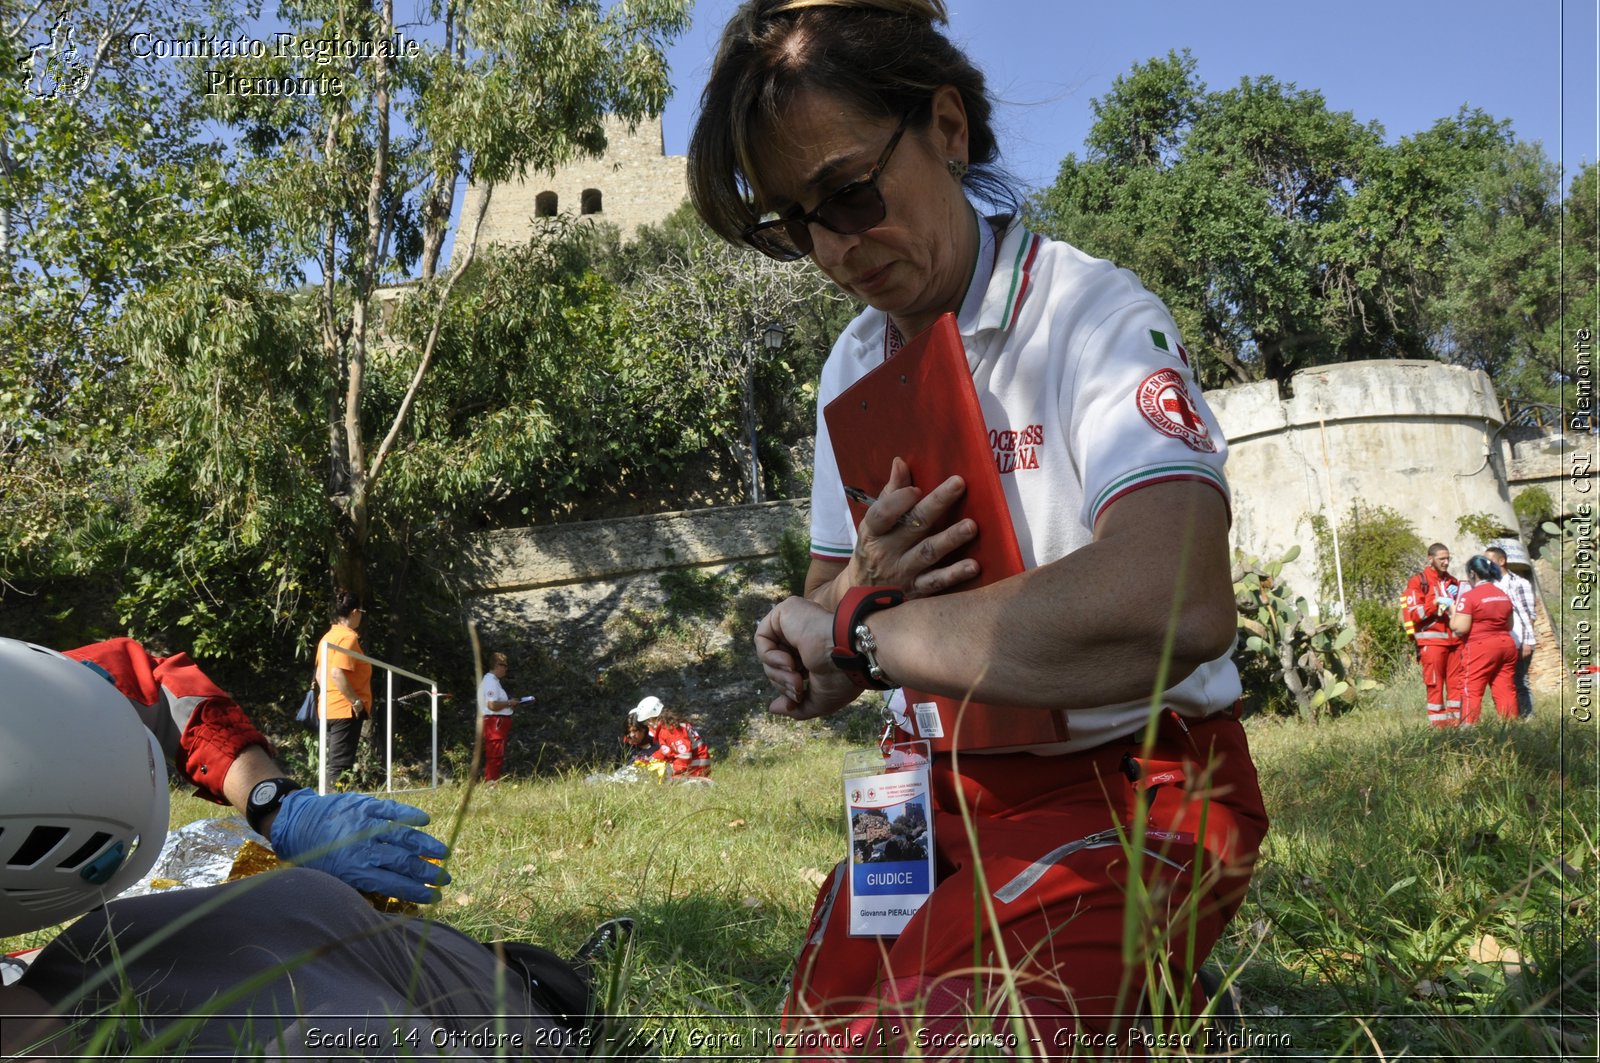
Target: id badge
[(887, 808)]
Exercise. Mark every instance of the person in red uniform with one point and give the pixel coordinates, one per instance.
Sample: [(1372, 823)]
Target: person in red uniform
[(213, 746), (681, 746), (1484, 619), (1429, 600), (852, 131)]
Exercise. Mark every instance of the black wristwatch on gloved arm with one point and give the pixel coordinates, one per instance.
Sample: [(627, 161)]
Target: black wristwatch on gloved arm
[(265, 797), (855, 651)]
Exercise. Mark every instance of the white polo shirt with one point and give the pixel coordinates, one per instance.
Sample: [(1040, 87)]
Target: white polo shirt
[(491, 690), (1087, 394)]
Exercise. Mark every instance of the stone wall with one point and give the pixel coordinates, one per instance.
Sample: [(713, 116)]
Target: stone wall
[(635, 183), (1419, 437), (586, 571), (1411, 435)]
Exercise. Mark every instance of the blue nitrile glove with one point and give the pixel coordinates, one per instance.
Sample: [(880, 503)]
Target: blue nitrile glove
[(367, 842)]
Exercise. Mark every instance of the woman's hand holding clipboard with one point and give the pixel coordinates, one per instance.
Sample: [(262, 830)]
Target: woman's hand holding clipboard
[(899, 542)]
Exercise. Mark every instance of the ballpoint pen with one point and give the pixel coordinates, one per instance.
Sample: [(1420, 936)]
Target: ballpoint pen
[(855, 494)]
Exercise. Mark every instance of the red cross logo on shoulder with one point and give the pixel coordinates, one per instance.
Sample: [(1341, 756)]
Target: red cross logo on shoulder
[(1164, 400)]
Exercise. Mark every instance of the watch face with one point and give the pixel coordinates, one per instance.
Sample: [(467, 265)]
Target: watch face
[(264, 792)]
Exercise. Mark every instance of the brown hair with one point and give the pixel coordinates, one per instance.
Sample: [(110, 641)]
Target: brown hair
[(497, 660), (883, 56), (345, 602)]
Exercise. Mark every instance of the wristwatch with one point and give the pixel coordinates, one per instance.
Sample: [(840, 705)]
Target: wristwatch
[(855, 651), (265, 797)]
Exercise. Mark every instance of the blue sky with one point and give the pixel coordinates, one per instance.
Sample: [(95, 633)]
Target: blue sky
[(1405, 63)]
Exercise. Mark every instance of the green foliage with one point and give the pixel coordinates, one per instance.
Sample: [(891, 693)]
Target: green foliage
[(1382, 650), (1283, 234), (794, 557), (1285, 648), (1533, 506), (1482, 529), (110, 188), (1498, 303), (695, 592), (1379, 550), (364, 182)]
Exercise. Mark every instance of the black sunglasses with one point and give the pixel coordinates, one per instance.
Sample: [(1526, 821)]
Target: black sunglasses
[(852, 209)]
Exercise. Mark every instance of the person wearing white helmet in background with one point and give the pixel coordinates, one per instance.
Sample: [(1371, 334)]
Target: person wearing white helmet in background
[(677, 742), (278, 962), (647, 712)]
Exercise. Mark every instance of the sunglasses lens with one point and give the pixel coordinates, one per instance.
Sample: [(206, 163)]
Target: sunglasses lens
[(785, 241), (853, 209)]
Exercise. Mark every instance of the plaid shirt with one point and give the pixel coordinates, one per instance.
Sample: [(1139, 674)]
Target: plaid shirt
[(1520, 591)]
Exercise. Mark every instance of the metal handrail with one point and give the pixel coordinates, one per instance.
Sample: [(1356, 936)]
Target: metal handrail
[(390, 670)]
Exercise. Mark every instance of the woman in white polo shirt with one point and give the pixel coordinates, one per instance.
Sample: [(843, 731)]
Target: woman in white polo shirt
[(494, 711), (851, 132)]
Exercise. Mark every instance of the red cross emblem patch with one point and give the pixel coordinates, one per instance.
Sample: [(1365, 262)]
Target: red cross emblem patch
[(1165, 403)]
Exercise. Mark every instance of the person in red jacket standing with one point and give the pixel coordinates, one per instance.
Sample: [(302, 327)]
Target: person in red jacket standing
[(1429, 601), (1484, 618)]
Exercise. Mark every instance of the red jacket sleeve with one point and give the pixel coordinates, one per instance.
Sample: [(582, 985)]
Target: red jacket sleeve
[(198, 723)]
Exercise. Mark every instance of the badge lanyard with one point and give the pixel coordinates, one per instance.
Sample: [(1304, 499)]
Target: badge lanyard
[(890, 827)]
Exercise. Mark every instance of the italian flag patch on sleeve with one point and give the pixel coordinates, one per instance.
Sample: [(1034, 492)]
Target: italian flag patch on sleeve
[(1166, 343)]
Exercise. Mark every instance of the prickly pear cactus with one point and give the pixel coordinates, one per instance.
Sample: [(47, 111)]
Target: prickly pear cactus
[(1311, 654)]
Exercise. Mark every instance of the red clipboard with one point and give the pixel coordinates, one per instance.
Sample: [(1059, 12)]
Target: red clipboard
[(920, 406)]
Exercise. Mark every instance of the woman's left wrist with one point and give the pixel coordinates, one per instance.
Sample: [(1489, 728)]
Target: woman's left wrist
[(855, 647)]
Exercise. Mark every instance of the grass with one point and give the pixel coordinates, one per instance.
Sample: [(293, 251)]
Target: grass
[(1423, 894)]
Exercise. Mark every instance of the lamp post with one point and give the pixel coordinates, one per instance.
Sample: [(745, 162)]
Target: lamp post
[(772, 338)]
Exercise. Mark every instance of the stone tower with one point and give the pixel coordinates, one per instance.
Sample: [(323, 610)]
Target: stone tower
[(635, 183)]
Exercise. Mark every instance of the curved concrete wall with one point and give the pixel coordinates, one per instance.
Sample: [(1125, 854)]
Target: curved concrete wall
[(1411, 435)]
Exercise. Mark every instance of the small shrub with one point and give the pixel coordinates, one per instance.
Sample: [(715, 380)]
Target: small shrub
[(1533, 506), (697, 592), (1379, 549), (794, 558), (1381, 647), (1482, 529)]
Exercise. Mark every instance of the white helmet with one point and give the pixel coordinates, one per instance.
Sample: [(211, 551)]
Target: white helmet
[(83, 789), (648, 709)]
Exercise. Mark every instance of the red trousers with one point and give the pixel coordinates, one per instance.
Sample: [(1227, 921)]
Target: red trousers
[(1441, 673), (496, 729), (1061, 934), (1490, 663)]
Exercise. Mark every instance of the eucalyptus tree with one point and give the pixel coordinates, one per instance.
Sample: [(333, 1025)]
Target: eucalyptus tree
[(104, 180), (359, 173)]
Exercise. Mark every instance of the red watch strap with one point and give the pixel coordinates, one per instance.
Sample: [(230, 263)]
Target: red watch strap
[(857, 604)]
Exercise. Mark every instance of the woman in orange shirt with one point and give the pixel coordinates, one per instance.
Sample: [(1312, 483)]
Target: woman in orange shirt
[(347, 683)]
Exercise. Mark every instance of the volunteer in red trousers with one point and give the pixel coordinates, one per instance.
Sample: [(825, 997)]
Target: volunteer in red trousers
[(1429, 600), (494, 714), (852, 131), (1485, 618)]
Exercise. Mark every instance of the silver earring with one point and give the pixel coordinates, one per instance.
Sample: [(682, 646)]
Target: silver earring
[(957, 168)]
